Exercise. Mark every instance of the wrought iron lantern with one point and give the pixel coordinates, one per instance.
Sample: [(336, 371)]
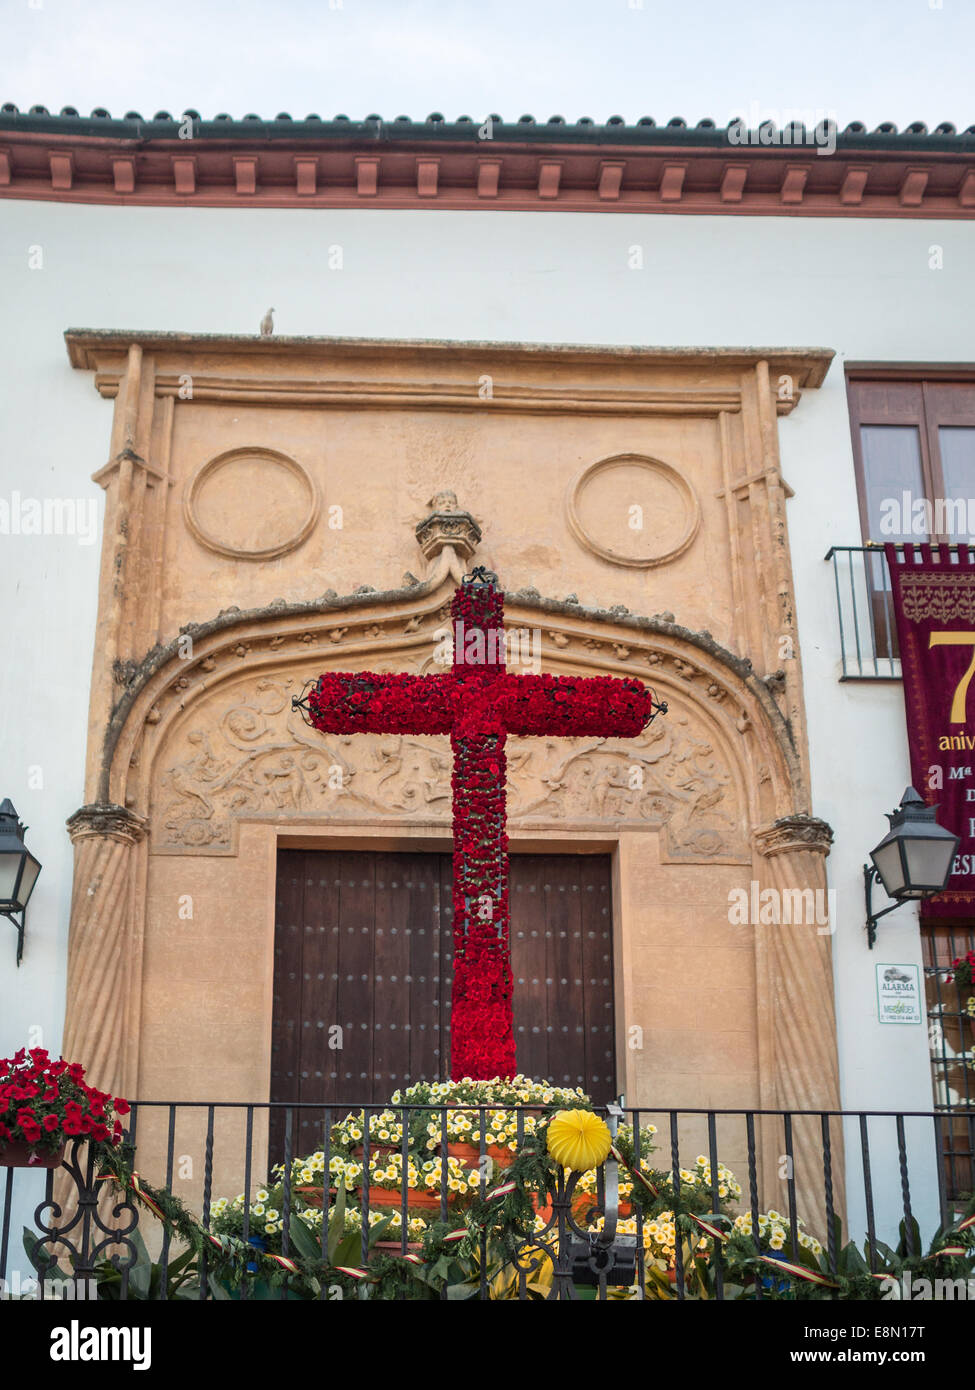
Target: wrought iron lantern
[(18, 871), (912, 861)]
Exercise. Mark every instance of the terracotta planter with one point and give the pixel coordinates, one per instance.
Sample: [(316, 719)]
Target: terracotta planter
[(17, 1153), (314, 1196), (470, 1154), (467, 1153), (542, 1205), (393, 1197), (503, 1157), (582, 1203), (393, 1247), (375, 1149)]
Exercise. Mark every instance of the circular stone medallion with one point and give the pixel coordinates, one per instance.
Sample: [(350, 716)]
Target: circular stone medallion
[(634, 510), (252, 504)]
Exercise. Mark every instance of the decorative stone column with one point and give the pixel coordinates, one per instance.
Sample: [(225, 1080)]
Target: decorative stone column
[(796, 1017), (104, 948)]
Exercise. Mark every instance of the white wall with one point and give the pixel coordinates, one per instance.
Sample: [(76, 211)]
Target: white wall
[(862, 287)]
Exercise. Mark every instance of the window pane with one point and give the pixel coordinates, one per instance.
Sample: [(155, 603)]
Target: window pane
[(891, 468), (957, 444)]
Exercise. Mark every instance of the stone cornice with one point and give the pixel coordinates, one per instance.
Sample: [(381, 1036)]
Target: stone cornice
[(107, 821), (611, 168), (793, 834), (435, 374)]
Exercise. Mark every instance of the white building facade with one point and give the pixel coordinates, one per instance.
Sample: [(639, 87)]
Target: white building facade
[(614, 236)]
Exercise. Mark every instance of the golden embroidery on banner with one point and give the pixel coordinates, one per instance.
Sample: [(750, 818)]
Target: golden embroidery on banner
[(941, 598)]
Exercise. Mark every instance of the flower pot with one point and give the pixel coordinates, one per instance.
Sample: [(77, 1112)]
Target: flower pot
[(583, 1202), (394, 1247), (313, 1196), (470, 1154), (502, 1156), (467, 1153), (17, 1153), (259, 1243), (772, 1285), (393, 1197), (375, 1149), (542, 1203)]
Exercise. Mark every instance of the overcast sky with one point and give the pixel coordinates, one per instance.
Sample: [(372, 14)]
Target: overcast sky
[(870, 60)]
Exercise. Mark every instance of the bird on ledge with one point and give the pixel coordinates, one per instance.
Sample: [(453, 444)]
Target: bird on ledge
[(267, 324)]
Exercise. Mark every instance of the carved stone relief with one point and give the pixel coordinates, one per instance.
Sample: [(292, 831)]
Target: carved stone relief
[(253, 755)]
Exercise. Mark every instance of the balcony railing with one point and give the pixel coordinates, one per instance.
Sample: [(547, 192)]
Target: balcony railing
[(864, 606), (737, 1165)]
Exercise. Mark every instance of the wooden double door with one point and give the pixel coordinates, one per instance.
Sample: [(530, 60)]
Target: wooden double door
[(363, 962)]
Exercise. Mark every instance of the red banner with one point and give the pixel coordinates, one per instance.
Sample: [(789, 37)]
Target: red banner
[(934, 604)]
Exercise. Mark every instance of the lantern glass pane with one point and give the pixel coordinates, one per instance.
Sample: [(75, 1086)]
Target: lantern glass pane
[(31, 870), (928, 861), (888, 861), (9, 869)]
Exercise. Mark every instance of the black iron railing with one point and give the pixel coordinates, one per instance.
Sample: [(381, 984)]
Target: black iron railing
[(746, 1165), (864, 607)]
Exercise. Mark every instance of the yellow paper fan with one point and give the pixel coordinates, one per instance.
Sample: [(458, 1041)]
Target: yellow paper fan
[(579, 1140)]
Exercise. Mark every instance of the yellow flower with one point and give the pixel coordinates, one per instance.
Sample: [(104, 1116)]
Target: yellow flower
[(578, 1140)]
